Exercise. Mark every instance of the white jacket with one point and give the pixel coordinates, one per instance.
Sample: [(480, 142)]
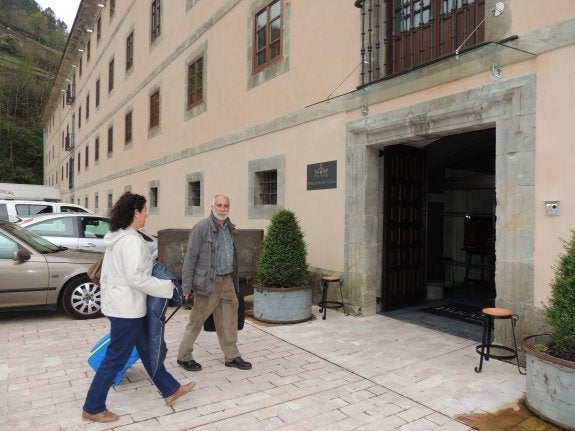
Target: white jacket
[(126, 278)]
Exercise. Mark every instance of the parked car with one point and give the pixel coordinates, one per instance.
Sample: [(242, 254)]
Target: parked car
[(16, 210), (79, 230), (38, 274)]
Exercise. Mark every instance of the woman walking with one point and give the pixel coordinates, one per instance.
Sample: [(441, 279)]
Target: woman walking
[(125, 282)]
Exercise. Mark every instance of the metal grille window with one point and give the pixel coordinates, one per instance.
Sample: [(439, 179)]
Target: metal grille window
[(110, 141), (194, 194), (111, 75), (155, 109), (128, 128), (266, 192), (267, 35), (400, 35), (130, 51), (155, 24), (154, 197), (195, 83)]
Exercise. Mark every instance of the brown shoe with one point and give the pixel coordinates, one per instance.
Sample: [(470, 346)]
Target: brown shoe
[(105, 416), (182, 390)]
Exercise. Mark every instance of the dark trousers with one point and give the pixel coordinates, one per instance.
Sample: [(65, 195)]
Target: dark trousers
[(124, 335)]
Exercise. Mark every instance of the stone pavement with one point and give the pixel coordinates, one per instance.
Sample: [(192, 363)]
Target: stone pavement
[(343, 373)]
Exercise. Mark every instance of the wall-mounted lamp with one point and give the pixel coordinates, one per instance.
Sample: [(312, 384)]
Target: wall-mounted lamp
[(101, 3), (89, 30), (495, 72), (364, 109), (80, 49), (74, 65), (496, 11)]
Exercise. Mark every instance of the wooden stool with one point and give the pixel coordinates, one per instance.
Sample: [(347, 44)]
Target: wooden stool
[(484, 349), (324, 303)]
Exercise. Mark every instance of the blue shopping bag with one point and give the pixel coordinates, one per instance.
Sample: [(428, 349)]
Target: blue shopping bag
[(99, 351)]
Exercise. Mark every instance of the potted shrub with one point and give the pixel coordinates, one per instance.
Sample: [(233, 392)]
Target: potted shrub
[(550, 358), (282, 293)]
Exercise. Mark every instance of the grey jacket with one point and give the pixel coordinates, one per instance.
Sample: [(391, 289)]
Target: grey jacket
[(199, 266)]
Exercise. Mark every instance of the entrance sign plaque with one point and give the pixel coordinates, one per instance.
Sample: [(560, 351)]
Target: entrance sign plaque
[(322, 175)]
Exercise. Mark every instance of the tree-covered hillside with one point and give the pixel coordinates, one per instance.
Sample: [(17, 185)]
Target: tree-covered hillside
[(31, 44)]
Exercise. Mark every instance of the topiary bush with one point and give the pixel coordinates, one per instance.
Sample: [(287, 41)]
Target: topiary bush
[(560, 311), (283, 257)]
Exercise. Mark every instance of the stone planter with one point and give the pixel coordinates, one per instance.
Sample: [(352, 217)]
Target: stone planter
[(282, 305), (550, 381)]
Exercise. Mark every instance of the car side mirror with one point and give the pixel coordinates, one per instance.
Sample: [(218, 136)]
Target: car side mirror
[(21, 255)]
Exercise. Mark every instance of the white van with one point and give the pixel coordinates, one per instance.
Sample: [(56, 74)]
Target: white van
[(15, 210)]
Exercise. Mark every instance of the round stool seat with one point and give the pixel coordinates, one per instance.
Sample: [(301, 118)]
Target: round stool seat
[(497, 312), (330, 278)]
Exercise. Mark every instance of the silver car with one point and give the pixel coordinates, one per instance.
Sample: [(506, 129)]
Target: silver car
[(79, 230), (37, 274)]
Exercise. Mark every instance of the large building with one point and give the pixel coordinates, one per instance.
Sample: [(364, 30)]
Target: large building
[(422, 143)]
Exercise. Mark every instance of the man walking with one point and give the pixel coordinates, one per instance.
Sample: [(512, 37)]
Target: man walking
[(210, 271)]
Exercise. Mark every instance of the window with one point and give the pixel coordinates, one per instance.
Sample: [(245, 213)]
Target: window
[(153, 197), (99, 28), (87, 157), (267, 186), (416, 32), (79, 160), (86, 201), (194, 194), (155, 109), (110, 200), (98, 92), (267, 35), (195, 83), (110, 141), (79, 117), (88, 51), (130, 51), (111, 75), (87, 106), (266, 189), (112, 8), (155, 25), (80, 67), (97, 149), (128, 128), (96, 202)]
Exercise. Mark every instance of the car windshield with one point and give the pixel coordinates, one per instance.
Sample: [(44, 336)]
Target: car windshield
[(37, 242)]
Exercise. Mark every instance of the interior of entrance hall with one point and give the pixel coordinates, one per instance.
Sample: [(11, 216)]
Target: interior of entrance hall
[(439, 221), (461, 218)]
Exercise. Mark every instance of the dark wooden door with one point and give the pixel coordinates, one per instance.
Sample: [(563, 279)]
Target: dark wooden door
[(405, 178)]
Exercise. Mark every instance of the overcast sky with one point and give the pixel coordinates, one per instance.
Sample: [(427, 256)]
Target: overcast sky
[(65, 10)]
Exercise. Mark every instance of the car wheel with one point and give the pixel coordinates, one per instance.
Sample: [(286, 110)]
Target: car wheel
[(81, 299)]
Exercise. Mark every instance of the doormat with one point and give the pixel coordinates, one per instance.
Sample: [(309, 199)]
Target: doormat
[(461, 312)]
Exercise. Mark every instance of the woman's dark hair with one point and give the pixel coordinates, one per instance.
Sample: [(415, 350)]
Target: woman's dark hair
[(122, 213)]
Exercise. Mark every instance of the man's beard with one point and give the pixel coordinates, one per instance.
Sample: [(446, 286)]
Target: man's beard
[(220, 217)]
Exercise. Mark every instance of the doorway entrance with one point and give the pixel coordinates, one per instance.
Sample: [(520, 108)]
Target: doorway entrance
[(439, 222)]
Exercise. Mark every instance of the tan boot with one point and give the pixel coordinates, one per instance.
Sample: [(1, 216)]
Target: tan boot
[(105, 416), (182, 390)]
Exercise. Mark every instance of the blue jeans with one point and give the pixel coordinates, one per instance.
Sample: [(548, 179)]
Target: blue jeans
[(124, 335)]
